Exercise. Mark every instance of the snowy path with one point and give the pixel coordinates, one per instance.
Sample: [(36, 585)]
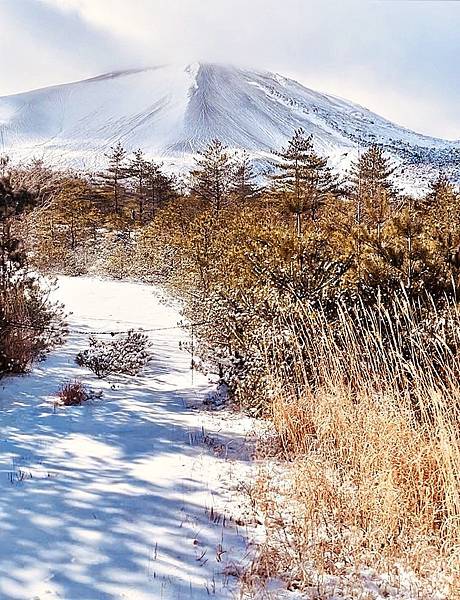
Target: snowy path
[(113, 499)]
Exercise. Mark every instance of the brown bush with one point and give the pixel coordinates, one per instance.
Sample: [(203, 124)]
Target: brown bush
[(30, 325), (72, 393)]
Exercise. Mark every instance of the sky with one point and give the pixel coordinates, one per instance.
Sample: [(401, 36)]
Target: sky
[(397, 57)]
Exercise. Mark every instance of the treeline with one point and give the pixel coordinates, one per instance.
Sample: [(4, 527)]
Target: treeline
[(243, 250), (303, 236), (360, 225)]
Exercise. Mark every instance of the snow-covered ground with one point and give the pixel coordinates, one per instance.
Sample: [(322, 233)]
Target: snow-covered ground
[(128, 496), (141, 494)]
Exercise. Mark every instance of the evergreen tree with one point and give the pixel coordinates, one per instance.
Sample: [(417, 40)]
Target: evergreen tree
[(67, 227), (372, 174), (244, 184), (159, 187), (373, 198), (440, 194), (138, 172), (114, 175), (213, 175), (76, 211), (442, 205), (406, 248), (303, 179)]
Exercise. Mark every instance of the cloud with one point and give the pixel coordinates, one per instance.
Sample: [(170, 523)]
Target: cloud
[(397, 58), (41, 45)]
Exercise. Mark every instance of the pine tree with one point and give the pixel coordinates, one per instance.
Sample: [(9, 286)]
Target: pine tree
[(114, 175), (138, 172), (76, 211), (212, 177), (372, 193), (159, 187), (372, 173), (67, 228), (443, 224), (303, 179), (402, 253), (244, 185), (441, 192)]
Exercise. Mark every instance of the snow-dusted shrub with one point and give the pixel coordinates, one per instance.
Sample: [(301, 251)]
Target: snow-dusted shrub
[(72, 393), (127, 354), (30, 324), (115, 257)]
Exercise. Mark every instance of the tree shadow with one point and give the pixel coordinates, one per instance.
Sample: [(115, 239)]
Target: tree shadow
[(110, 499)]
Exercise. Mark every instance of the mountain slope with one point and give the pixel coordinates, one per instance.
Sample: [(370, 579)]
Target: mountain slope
[(174, 111)]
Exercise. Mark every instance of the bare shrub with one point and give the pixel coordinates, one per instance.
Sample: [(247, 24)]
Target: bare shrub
[(127, 354), (72, 393)]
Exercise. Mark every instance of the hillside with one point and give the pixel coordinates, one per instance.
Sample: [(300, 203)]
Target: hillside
[(171, 112)]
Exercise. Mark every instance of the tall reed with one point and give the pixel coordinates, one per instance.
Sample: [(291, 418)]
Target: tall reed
[(366, 402)]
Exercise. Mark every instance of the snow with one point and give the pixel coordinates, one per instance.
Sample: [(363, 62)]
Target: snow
[(140, 494), (173, 111), (118, 498)]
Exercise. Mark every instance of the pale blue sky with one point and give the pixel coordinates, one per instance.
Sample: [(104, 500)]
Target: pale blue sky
[(398, 58)]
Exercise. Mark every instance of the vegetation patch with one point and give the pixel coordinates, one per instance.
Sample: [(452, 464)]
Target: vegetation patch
[(72, 393), (30, 324), (127, 354)]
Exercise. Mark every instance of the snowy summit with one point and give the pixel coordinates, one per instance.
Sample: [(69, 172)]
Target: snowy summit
[(172, 112)]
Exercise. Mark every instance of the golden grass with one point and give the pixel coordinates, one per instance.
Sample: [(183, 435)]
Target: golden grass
[(367, 409)]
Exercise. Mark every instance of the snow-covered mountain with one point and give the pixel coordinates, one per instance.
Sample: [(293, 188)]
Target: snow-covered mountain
[(171, 112)]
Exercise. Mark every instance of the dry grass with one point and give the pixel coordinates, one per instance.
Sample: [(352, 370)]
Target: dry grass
[(368, 411), (72, 393)]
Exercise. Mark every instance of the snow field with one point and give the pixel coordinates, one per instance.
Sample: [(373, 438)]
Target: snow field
[(132, 495)]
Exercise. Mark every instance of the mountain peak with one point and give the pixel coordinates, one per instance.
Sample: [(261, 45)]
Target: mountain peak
[(172, 111)]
